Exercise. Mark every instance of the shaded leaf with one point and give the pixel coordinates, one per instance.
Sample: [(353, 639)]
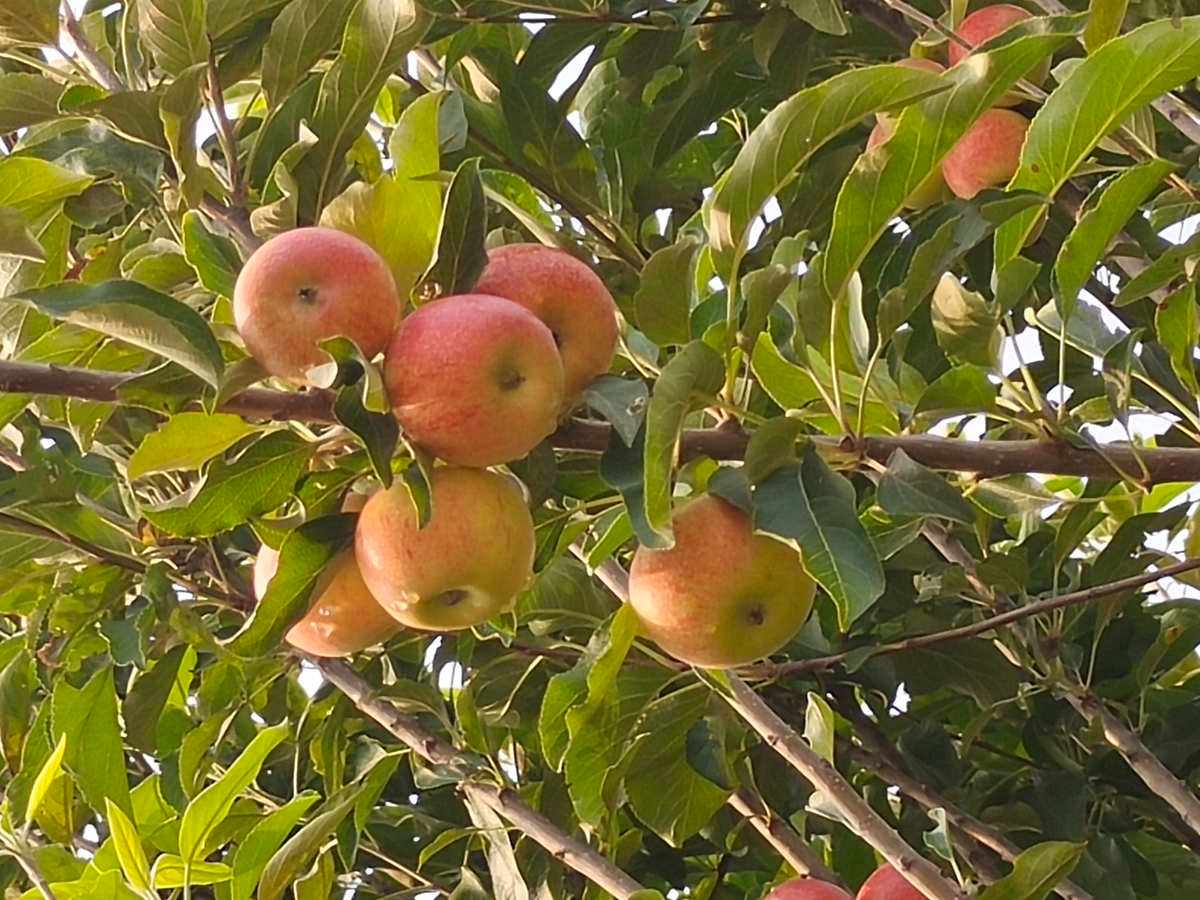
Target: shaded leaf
[(460, 254), (1036, 871), (909, 489), (665, 294)]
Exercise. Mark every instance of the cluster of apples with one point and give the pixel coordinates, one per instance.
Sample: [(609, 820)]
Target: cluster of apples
[(990, 152), (885, 883), (477, 379)]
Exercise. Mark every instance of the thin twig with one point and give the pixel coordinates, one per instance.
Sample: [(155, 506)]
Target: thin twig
[(504, 801), (781, 836), (225, 134), (96, 64)]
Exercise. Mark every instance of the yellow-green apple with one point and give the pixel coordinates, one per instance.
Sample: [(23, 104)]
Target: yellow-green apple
[(989, 154), (567, 296), (808, 889), (344, 618), (886, 883), (307, 285), (465, 566), (931, 190), (474, 379), (723, 595), (983, 25)]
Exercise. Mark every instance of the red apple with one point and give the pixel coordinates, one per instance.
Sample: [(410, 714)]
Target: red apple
[(723, 595), (808, 889), (568, 297), (886, 883), (307, 285), (475, 379), (465, 566), (988, 155), (983, 25)]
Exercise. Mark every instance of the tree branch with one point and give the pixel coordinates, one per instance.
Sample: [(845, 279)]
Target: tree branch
[(225, 133), (856, 812), (1148, 767), (506, 802), (781, 836), (97, 65)]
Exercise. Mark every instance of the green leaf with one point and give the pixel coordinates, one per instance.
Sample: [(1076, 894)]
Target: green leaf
[(214, 258), (813, 508), (175, 32), (792, 132), (461, 254), (17, 681), (696, 369), (27, 100), (909, 489), (302, 558), (187, 441), (375, 44), (972, 667), (148, 696), (49, 771), (1107, 210), (378, 432), (128, 844), (210, 807), (139, 316), (29, 22), (1012, 495), (666, 292), (823, 15), (258, 481), (179, 113), (1178, 329), (16, 240), (1105, 18), (820, 726), (87, 718), (667, 794), (300, 35), (172, 872), (1174, 262), (966, 325), (1036, 871), (773, 444), (882, 179), (621, 402), (260, 844), (295, 856), (33, 186), (1101, 92)]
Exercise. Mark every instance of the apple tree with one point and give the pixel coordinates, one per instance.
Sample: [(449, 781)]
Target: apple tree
[(905, 291)]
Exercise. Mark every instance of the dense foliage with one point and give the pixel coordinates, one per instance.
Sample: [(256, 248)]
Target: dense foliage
[(793, 340)]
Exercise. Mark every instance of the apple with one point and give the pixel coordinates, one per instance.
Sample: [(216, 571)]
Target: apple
[(343, 619), (988, 155), (808, 889), (983, 25), (723, 595), (568, 297), (886, 883), (931, 190), (474, 379), (465, 566), (309, 284)]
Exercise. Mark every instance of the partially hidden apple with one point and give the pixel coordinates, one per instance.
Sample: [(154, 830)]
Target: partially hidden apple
[(465, 566), (983, 25), (344, 618), (307, 285), (475, 379), (931, 190), (568, 297), (723, 595), (808, 889), (988, 155), (886, 883)]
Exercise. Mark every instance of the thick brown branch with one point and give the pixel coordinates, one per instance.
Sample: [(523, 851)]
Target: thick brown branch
[(574, 853), (856, 812)]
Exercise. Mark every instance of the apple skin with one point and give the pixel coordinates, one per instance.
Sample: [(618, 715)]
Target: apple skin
[(807, 889), (568, 297), (722, 596), (930, 191), (343, 619), (307, 285), (989, 154), (983, 25), (886, 883), (465, 566), (475, 379)]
